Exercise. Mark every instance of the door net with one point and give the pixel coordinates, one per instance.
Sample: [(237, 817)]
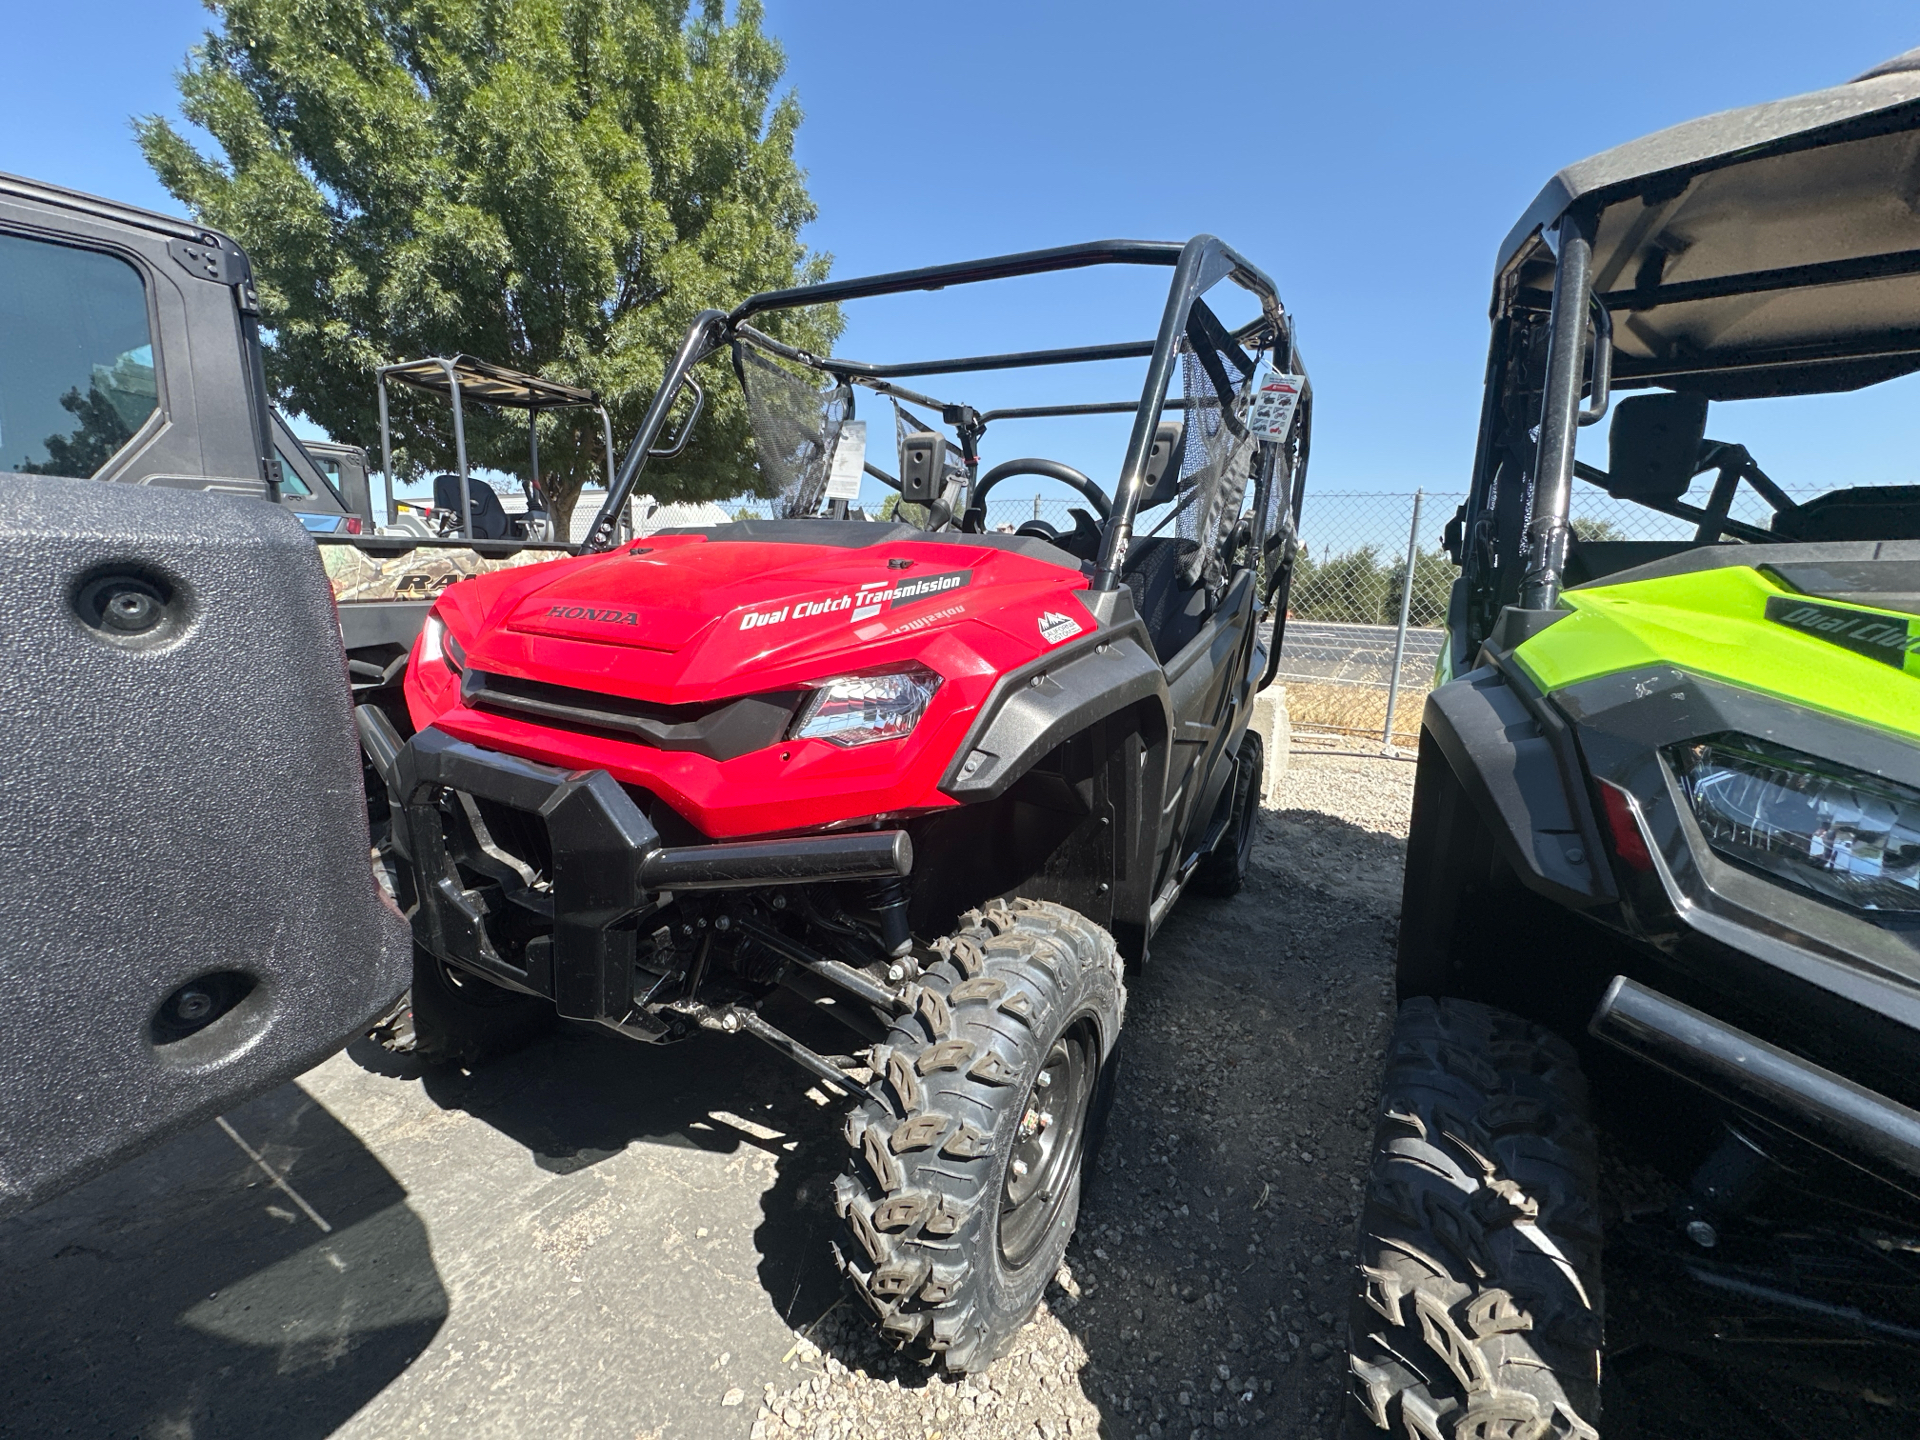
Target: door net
[(1216, 378)]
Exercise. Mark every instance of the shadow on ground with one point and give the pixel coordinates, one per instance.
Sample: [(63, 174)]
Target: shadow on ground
[(185, 1295), (575, 1098)]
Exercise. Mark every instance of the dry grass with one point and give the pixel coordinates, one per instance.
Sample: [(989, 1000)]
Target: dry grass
[(1355, 709)]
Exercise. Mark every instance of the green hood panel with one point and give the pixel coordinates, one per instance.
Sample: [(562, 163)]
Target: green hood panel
[(1715, 623)]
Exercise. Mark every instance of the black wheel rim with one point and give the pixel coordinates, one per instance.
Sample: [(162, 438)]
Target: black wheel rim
[(1050, 1132)]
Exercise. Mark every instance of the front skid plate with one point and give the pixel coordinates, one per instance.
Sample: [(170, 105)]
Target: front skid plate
[(608, 869)]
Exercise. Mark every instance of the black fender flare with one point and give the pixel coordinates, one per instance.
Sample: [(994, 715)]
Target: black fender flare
[(1111, 670), (1033, 709), (1516, 758)]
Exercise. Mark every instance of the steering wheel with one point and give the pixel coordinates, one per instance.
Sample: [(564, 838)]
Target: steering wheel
[(975, 519)]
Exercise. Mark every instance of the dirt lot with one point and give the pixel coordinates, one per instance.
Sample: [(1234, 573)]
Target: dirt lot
[(590, 1239), (595, 1239)]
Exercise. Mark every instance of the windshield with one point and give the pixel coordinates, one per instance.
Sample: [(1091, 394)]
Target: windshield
[(814, 442)]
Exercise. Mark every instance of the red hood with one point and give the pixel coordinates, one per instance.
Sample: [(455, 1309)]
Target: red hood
[(680, 618)]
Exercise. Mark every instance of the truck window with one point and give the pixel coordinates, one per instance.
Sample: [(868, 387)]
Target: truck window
[(291, 485), (76, 357)]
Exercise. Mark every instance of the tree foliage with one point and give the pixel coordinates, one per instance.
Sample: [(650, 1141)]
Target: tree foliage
[(556, 185), (94, 441), (1360, 587)]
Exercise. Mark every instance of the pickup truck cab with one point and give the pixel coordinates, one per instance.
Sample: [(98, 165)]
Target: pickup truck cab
[(178, 726)]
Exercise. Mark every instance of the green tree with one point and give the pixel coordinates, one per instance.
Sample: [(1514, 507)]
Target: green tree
[(1433, 577), (1594, 530), (96, 440), (557, 185), (1351, 587)]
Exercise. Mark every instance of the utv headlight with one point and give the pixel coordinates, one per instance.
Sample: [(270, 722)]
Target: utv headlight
[(1841, 832), (437, 644), (861, 709)]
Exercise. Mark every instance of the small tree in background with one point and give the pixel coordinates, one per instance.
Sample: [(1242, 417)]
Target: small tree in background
[(1349, 588), (1433, 577), (556, 185), (1594, 530)]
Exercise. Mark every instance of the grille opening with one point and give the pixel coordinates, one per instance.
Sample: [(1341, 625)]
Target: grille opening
[(719, 730)]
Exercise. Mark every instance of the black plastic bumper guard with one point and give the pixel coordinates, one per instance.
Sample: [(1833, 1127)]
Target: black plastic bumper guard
[(599, 839), (609, 868)]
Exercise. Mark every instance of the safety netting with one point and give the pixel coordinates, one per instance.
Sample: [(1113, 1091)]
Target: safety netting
[(796, 413), (1219, 454)]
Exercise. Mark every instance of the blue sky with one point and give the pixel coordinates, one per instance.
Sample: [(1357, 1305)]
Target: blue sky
[(1368, 157)]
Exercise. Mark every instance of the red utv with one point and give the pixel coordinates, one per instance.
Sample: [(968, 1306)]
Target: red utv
[(940, 783)]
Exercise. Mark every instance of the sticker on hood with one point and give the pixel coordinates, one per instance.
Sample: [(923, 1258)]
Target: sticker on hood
[(1886, 638), (864, 603), (1055, 627)]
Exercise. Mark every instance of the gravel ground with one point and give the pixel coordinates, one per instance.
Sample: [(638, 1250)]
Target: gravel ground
[(500, 1247), (1206, 1286)]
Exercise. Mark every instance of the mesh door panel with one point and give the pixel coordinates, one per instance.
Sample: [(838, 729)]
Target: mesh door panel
[(1217, 461), (795, 424)]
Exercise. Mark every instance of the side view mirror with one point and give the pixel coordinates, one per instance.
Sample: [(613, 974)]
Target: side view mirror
[(923, 466), (1163, 464), (1653, 446)]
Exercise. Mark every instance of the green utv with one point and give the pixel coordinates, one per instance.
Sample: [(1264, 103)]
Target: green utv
[(1666, 822)]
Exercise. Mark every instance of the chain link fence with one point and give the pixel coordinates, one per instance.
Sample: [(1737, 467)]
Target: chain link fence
[(1369, 595), (1359, 645)]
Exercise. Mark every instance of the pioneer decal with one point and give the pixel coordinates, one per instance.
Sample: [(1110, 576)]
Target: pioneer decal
[(865, 602), (921, 622), (1886, 638), (1055, 627), (588, 612)]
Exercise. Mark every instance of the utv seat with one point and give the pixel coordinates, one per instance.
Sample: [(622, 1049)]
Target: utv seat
[(1172, 610), (1082, 542), (1864, 512), (489, 516)]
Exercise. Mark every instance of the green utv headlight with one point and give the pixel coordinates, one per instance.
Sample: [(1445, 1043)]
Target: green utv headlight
[(1840, 832)]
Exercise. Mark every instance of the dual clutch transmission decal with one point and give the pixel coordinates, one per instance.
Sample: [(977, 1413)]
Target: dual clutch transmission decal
[(1887, 638), (866, 602)]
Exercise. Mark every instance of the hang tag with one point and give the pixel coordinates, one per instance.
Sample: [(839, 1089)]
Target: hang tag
[(849, 462), (1271, 415)]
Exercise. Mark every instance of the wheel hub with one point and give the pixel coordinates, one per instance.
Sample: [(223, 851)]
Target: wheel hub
[(1046, 1146)]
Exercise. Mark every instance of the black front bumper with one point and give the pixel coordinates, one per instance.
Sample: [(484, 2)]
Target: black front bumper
[(604, 873), (1764, 964)]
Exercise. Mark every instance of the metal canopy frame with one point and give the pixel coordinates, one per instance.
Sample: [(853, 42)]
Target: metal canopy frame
[(466, 377), (1197, 265), (1634, 189)]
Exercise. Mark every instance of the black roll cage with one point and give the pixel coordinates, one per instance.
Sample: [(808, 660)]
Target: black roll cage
[(1527, 529), (1197, 266), (463, 378)]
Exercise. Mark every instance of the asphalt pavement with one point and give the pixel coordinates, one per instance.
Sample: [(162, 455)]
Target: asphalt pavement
[(1354, 654), (627, 1233)]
